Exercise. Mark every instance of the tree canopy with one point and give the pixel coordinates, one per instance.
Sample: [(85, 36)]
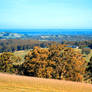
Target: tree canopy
[(57, 61)]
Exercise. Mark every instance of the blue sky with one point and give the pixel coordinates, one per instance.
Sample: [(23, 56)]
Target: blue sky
[(45, 14)]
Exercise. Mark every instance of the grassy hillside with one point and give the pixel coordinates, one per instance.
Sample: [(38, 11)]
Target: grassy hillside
[(13, 83)]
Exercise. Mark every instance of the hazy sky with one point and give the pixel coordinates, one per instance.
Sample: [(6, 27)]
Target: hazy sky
[(45, 14)]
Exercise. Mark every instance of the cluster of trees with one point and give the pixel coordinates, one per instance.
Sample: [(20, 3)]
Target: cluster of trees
[(12, 45), (57, 61)]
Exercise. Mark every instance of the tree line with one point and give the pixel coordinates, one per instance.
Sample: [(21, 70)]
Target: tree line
[(12, 45)]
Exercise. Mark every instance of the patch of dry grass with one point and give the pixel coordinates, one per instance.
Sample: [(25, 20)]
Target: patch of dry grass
[(21, 54), (14, 83)]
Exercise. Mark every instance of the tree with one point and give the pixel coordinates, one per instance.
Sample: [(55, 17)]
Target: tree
[(70, 65), (7, 60), (36, 63)]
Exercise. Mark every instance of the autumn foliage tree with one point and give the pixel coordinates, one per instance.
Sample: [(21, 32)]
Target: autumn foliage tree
[(57, 61), (70, 65), (37, 64)]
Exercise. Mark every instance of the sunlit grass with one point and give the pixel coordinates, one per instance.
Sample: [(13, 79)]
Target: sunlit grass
[(13, 83)]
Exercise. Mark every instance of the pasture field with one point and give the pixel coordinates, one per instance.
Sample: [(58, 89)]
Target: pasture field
[(15, 83)]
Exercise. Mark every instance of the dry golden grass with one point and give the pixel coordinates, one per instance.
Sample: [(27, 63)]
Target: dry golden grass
[(21, 53), (14, 83)]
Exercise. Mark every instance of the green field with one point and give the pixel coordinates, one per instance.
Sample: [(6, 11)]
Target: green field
[(14, 83)]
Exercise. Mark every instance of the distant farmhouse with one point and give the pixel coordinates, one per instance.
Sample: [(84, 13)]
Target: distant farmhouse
[(73, 46)]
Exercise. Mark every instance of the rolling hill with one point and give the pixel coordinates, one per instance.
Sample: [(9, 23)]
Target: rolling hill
[(15, 83)]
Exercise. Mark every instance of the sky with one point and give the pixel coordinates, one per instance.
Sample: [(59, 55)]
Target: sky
[(35, 14)]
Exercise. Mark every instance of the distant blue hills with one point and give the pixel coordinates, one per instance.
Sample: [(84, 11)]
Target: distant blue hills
[(50, 31), (58, 35)]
